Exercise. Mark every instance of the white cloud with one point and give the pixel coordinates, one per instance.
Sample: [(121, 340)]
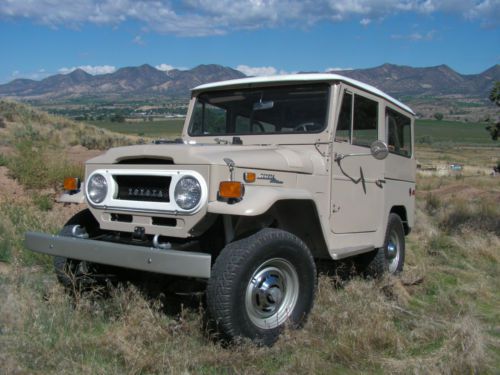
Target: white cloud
[(416, 36), (208, 17), (337, 69), (164, 67), (258, 71), (97, 69), (36, 75), (138, 40)]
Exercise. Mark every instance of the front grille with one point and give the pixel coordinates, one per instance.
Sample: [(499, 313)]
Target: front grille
[(143, 188)]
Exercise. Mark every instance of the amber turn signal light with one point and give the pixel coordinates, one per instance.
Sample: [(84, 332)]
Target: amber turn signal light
[(249, 176), (231, 189), (71, 183)]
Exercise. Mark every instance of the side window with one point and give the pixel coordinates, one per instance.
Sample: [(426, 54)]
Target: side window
[(345, 117), (398, 133), (365, 121)]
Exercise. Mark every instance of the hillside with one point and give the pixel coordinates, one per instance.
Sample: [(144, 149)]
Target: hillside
[(41, 149), (146, 81)]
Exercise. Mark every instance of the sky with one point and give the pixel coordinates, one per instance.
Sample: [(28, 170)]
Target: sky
[(39, 38)]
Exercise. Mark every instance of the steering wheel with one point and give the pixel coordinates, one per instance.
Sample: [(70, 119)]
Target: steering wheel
[(307, 126)]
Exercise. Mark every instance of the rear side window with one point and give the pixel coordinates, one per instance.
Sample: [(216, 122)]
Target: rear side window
[(398, 133), (358, 120)]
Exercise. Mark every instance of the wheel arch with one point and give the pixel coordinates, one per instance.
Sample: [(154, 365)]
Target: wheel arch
[(297, 216), (400, 210)]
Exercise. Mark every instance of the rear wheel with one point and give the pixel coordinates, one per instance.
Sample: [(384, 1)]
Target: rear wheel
[(260, 284), (389, 258)]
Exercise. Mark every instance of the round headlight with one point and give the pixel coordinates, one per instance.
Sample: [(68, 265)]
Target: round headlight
[(187, 193), (97, 188)]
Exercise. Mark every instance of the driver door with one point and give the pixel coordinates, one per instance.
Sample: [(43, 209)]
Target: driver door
[(357, 195)]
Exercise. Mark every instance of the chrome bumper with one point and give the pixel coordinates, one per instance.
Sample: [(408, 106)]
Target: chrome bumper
[(169, 262)]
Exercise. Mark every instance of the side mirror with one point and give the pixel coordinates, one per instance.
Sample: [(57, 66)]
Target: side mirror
[(379, 150)]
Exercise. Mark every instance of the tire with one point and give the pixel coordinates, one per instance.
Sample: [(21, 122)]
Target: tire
[(259, 285), (389, 258), (76, 275)]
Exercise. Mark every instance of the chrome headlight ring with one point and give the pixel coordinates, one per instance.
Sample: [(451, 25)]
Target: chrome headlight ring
[(97, 188), (188, 192)]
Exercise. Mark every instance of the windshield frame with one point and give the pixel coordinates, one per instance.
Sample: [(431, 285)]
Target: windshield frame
[(327, 86)]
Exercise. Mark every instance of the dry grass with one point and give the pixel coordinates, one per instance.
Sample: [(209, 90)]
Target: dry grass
[(441, 316)]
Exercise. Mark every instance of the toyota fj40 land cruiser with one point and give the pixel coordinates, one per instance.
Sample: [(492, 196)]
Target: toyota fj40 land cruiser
[(272, 174)]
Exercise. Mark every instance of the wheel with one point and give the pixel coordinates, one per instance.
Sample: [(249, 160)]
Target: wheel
[(389, 258), (260, 284), (75, 274)]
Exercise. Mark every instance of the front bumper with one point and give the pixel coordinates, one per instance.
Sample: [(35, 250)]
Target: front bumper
[(169, 262)]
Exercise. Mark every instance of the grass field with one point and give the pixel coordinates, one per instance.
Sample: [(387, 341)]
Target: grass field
[(154, 129), (453, 132)]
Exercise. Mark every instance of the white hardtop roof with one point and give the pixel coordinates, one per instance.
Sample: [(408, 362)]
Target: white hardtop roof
[(309, 77)]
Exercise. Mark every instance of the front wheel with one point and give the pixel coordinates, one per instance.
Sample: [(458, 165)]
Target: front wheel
[(260, 284), (76, 274)]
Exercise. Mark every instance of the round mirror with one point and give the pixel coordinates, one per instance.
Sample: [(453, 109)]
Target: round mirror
[(379, 150)]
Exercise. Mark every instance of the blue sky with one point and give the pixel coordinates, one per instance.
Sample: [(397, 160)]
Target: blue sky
[(44, 37)]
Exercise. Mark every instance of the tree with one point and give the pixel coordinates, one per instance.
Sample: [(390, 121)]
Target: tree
[(117, 118), (495, 93), (495, 98), (438, 116)]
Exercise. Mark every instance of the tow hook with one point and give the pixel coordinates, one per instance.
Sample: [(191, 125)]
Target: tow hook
[(79, 232), (158, 245)]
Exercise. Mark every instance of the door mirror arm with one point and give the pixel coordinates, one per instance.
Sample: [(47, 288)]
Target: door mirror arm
[(378, 149)]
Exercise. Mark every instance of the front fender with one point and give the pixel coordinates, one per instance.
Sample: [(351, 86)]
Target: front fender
[(257, 200)]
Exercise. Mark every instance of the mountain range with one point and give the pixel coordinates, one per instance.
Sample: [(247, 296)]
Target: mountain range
[(146, 81)]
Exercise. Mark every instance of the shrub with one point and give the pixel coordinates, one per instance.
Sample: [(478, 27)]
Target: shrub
[(425, 139), (432, 203), (44, 202), (36, 167), (3, 160), (462, 215)]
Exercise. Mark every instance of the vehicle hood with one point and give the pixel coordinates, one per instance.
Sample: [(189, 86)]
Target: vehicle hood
[(272, 157)]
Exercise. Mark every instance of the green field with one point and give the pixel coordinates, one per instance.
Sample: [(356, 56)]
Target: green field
[(433, 131), (165, 128), (426, 131)]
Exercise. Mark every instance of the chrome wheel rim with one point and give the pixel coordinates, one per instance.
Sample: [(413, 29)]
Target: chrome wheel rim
[(272, 293), (392, 252)]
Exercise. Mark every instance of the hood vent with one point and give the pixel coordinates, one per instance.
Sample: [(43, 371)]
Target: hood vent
[(146, 161)]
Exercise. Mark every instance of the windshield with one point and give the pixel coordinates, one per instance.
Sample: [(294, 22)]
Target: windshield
[(268, 110)]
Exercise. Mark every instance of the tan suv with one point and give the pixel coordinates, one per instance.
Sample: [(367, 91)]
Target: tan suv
[(271, 175)]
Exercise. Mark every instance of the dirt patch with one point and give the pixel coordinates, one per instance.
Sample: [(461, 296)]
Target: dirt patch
[(9, 188), (80, 154), (6, 150), (4, 268), (464, 192), (12, 191)]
